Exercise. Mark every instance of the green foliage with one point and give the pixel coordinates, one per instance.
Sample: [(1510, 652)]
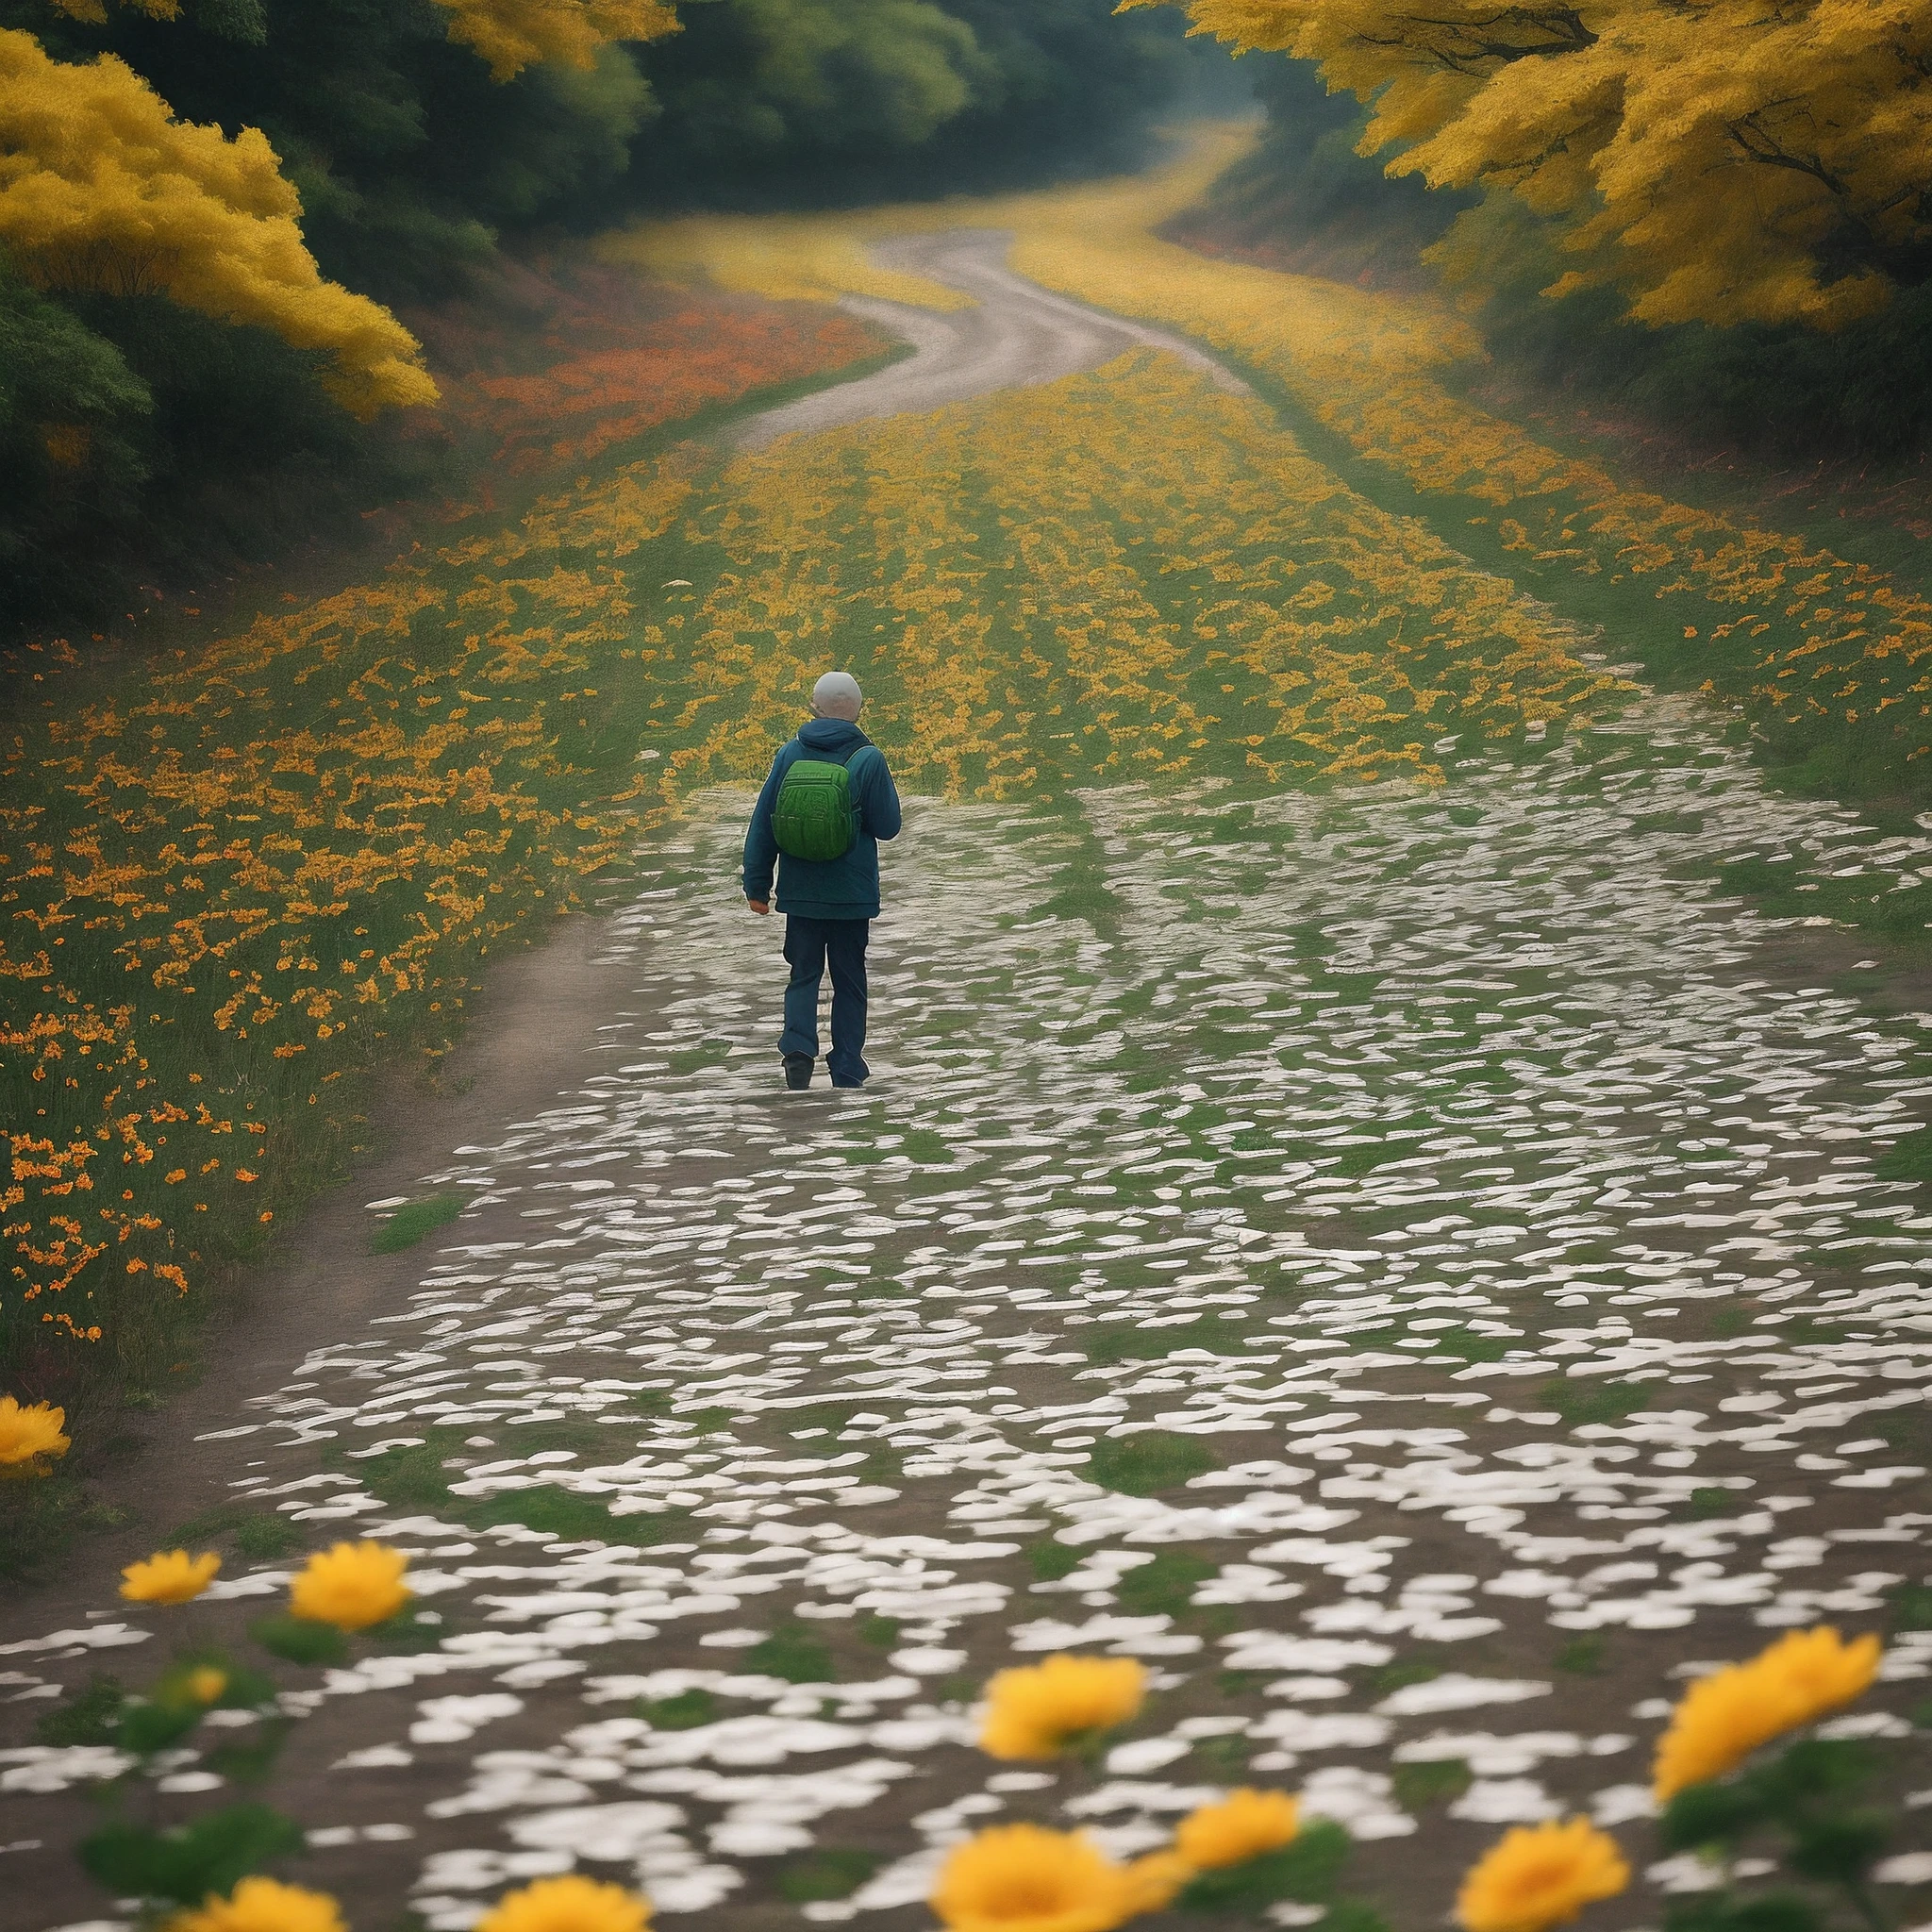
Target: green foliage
[(1719, 1911), (1579, 1402), (1911, 1606), (1166, 1586), (795, 1653), (1306, 1870), (87, 1717), (1433, 1781), (1051, 1560), (180, 445), (683, 1712), (1796, 1791), (249, 1761), (409, 1222), (1908, 1159), (1582, 1657), (1148, 1463), (72, 426), (784, 101), (300, 1641), (183, 1866), (830, 1872), (549, 1508), (882, 1633), (1107, 1343)]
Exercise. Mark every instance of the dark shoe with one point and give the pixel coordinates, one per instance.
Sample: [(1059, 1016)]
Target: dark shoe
[(799, 1068), (848, 1083)]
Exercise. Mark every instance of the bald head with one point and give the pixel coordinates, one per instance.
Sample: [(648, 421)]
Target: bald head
[(837, 695)]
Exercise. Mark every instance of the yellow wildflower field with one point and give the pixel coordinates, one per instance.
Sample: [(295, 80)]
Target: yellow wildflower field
[(1799, 635), (235, 879)]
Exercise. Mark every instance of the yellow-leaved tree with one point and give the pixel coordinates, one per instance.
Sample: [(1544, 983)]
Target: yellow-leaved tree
[(515, 34), (101, 188), (1719, 160)]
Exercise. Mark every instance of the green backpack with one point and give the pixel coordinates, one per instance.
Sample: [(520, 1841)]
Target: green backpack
[(813, 816)]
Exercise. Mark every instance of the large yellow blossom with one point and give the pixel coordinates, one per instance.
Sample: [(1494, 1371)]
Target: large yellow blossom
[(169, 1576), (29, 1434), (1243, 1826), (1540, 1876), (1725, 1717), (570, 1904), (1024, 1878), (262, 1905), (351, 1586), (1033, 1712)]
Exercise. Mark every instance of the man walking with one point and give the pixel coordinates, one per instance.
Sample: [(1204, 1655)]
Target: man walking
[(827, 804)]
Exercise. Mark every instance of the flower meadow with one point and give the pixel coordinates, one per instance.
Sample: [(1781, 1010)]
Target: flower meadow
[(572, 359), (1826, 655), (1246, 1850), (286, 852)]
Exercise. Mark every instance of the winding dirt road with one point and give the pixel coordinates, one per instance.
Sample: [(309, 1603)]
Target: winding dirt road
[(1019, 335)]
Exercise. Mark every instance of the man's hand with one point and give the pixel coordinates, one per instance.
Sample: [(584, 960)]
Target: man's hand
[(759, 905)]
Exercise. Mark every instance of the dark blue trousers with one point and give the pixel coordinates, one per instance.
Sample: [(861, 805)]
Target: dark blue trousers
[(810, 946)]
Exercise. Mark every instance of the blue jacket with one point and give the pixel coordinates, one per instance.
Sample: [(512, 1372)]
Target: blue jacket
[(842, 887)]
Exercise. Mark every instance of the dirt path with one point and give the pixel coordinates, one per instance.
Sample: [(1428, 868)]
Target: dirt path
[(1410, 1265), (1018, 335)]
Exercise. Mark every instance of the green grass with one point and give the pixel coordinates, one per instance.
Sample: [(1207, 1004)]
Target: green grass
[(1149, 1462), (1583, 1656), (1105, 1343), (685, 1713), (696, 1060), (257, 1534), (1165, 1587), (792, 1653), (1911, 1606), (1433, 1781), (409, 1224), (829, 1873), (1403, 1671), (1908, 1159), (1307, 1871), (1225, 1758), (1579, 1402), (89, 1716), (1053, 1560), (553, 1510)]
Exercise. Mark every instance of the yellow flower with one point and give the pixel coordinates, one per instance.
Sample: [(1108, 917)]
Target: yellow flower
[(1032, 1712), (27, 1434), (568, 1905), (1725, 1717), (169, 1576), (1540, 1876), (1243, 1826), (262, 1905), (204, 1684), (1024, 1878), (351, 1586)]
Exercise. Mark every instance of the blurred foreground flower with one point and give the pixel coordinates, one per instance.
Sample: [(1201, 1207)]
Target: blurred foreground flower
[(1024, 1878), (262, 1905), (169, 1576), (1725, 1717), (205, 1683), (351, 1586), (1540, 1876), (568, 1905), (28, 1436), (1243, 1826), (1034, 1713)]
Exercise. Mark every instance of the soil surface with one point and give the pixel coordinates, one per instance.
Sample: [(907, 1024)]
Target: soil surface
[(1408, 1266)]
